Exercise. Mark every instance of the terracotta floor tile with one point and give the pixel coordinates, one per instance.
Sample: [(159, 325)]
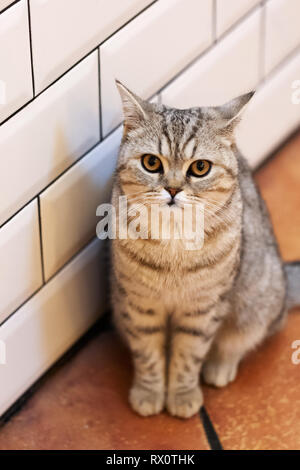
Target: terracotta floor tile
[(261, 409), (279, 182), (83, 405)]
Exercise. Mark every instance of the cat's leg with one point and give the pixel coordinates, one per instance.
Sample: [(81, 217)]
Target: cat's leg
[(192, 335), (144, 330), (255, 314), (230, 345)]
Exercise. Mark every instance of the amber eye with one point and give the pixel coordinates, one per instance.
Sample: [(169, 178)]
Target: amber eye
[(152, 163), (199, 168)]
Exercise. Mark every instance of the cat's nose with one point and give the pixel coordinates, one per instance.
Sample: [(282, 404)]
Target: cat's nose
[(173, 191)]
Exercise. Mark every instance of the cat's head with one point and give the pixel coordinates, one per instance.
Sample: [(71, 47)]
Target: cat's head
[(174, 157)]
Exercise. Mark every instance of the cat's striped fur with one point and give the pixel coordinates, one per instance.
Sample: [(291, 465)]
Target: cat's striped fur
[(183, 312)]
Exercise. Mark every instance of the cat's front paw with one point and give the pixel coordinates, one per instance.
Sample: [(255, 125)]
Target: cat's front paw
[(146, 402), (184, 404), (219, 373)]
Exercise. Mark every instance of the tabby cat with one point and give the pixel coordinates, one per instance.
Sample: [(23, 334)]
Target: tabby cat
[(185, 312)]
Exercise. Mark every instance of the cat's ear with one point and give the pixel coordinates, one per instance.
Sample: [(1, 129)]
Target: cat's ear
[(231, 112), (134, 108), (227, 116)]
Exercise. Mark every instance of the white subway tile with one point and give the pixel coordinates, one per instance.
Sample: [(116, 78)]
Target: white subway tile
[(50, 322), (48, 135), (230, 11), (271, 115), (150, 50), (68, 207), (15, 65), (229, 69), (20, 254), (5, 3), (64, 31), (282, 30)]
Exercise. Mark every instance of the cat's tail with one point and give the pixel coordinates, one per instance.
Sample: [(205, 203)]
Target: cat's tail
[(292, 271)]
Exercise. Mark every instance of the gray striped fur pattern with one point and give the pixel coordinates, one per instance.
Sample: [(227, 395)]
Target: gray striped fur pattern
[(185, 313)]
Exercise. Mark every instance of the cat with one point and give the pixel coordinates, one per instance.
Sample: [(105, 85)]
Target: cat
[(189, 312)]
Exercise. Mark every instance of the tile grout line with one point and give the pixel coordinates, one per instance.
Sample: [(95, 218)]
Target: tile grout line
[(214, 21), (283, 62), (262, 54), (41, 239), (99, 91), (30, 46), (211, 434), (238, 22), (9, 6), (22, 304)]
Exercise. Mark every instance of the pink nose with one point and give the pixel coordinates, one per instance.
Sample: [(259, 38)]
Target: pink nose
[(173, 191)]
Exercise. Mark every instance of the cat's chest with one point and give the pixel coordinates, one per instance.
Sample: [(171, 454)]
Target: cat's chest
[(174, 274), (178, 274)]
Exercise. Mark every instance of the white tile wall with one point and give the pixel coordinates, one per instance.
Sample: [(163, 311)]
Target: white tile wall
[(150, 50), (15, 65), (68, 207), (229, 12), (48, 135), (282, 30), (229, 69), (50, 322), (271, 115), (64, 31), (20, 254), (5, 3)]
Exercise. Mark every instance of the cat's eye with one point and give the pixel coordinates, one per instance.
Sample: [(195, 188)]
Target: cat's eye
[(152, 163), (199, 168)]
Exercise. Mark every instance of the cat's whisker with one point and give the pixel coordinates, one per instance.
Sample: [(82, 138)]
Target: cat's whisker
[(213, 204), (225, 218)]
